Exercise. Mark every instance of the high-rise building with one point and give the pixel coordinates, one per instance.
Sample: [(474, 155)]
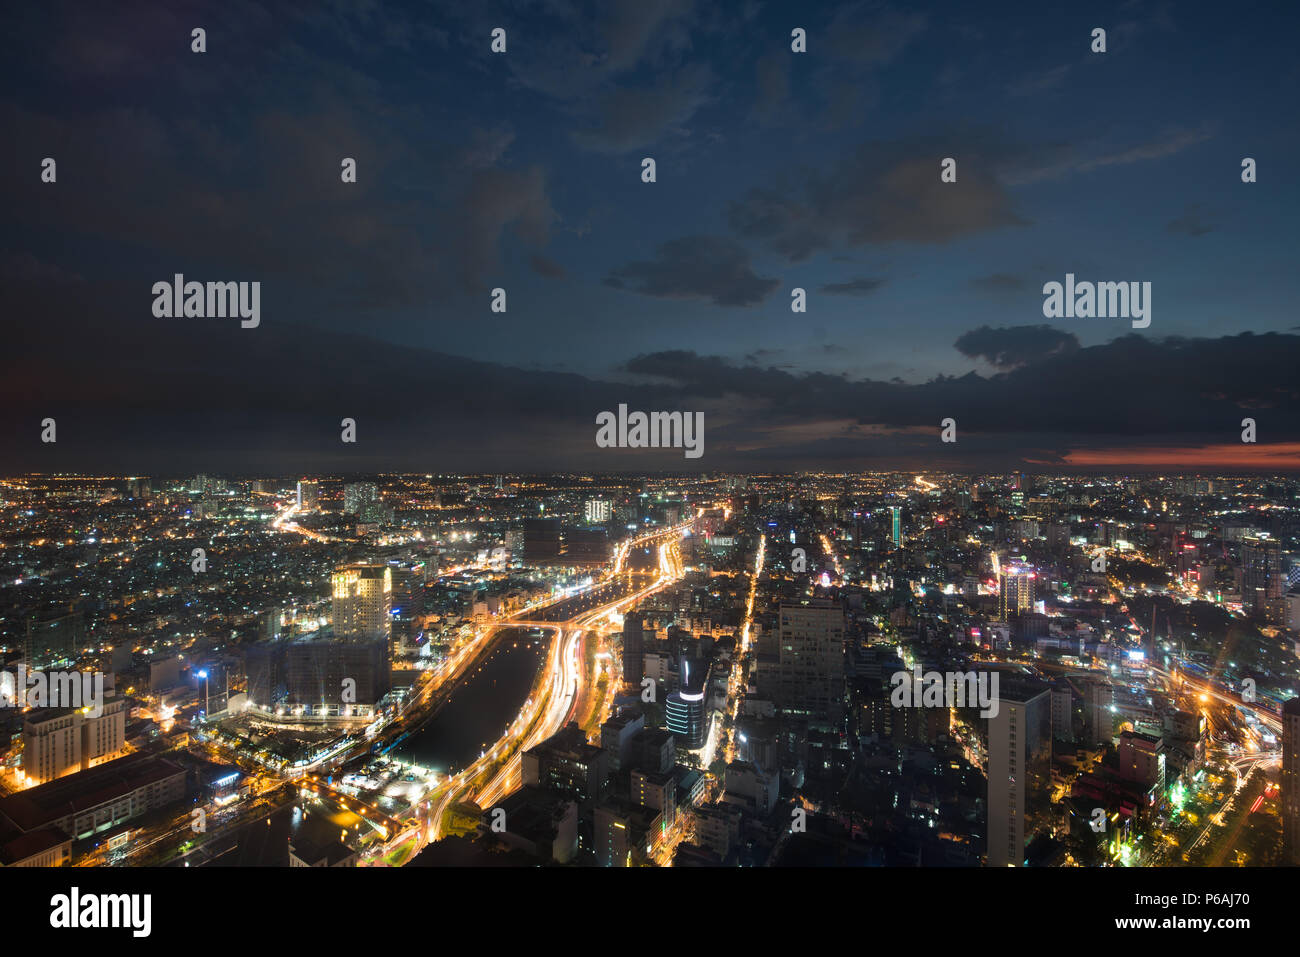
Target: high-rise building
[(566, 764), (60, 741), (1262, 578), (896, 525), (338, 678), (308, 495), (1291, 780), (1019, 766), (598, 511), (684, 710), (359, 497), (408, 598), (809, 679), (633, 650), (1016, 590), (363, 601), (54, 640)]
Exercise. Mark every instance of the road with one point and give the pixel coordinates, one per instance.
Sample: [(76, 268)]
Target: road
[(548, 710)]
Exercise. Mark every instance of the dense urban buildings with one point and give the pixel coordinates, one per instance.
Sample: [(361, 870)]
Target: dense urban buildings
[(1033, 675)]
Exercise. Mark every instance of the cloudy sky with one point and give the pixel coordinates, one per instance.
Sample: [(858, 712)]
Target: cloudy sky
[(522, 171)]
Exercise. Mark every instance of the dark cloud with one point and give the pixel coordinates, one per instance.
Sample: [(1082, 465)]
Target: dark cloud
[(1177, 387), (1015, 345), (630, 118), (854, 287), (548, 268), (999, 282), (133, 392), (696, 267), (882, 192)]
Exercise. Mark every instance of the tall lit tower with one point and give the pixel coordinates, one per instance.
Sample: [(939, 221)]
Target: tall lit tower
[(1020, 753), (363, 601), (1016, 585)]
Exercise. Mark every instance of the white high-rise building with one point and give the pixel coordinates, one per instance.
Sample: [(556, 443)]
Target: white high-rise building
[(363, 601), (308, 495), (59, 741), (1020, 754), (598, 511)]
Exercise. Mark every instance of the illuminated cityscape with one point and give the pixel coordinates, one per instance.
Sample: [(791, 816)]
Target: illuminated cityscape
[(444, 442), (731, 660)]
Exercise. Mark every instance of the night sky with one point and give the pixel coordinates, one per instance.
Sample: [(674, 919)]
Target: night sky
[(522, 171)]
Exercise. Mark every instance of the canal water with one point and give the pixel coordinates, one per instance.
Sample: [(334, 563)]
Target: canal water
[(481, 708)]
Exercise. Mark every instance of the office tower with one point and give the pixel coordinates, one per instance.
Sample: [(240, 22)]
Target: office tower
[(809, 680), (1291, 780), (54, 640), (896, 525), (268, 624), (408, 598), (308, 495), (656, 791), (543, 543), (598, 511), (316, 674), (1020, 752), (359, 498), (633, 650), (1261, 573), (1016, 591), (264, 667), (1142, 761), (60, 741), (363, 596), (1099, 712), (617, 735), (566, 764), (1062, 711), (685, 709)]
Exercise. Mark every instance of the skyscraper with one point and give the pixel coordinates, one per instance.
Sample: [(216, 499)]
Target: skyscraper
[(1016, 590), (633, 650), (358, 497), (308, 495), (1020, 752), (809, 678), (363, 601), (1291, 780), (684, 710), (896, 525), (1261, 573)]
